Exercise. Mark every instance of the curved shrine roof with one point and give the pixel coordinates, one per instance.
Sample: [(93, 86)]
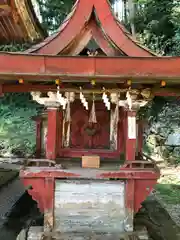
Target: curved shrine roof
[(91, 19)]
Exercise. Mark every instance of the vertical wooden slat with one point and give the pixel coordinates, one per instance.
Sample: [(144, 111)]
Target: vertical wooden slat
[(49, 205), (129, 203)]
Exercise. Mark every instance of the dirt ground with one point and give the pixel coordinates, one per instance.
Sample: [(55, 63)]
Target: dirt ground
[(168, 191), (7, 175), (159, 223), (162, 208)]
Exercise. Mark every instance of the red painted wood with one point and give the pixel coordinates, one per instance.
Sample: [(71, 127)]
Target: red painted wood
[(54, 138), (80, 18), (91, 31), (117, 32), (101, 40), (49, 186), (80, 123), (69, 29), (49, 204), (130, 144), (80, 117), (94, 174), (42, 191), (37, 191), (103, 153), (13, 66), (129, 198), (19, 88), (143, 187), (138, 183)]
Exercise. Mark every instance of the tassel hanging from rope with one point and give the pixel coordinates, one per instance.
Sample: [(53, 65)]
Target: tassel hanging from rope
[(116, 113), (68, 110), (115, 120), (92, 118)]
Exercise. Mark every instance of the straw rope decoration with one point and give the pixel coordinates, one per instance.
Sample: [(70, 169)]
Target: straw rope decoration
[(92, 118)]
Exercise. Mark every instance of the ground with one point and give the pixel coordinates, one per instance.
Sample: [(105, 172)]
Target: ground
[(168, 191), (7, 175)]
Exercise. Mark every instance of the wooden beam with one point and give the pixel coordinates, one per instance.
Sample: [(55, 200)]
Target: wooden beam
[(169, 92), (5, 7), (1, 90), (107, 69), (5, 13), (9, 88), (5, 10)]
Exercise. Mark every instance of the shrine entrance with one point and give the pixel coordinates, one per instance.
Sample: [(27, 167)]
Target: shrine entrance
[(86, 135)]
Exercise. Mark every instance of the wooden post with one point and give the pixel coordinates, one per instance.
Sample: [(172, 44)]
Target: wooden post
[(38, 137), (140, 138), (38, 122), (49, 205), (130, 136), (54, 137), (129, 203)]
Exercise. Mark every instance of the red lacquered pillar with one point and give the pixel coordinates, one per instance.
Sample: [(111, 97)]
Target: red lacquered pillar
[(130, 136), (54, 135)]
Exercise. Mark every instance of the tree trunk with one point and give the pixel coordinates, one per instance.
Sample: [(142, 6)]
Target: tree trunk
[(131, 6), (125, 11)]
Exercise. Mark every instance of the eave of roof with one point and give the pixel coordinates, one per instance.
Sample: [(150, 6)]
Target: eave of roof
[(43, 68), (18, 22)]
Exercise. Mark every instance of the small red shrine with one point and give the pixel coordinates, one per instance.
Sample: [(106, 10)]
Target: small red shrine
[(93, 77), (98, 67)]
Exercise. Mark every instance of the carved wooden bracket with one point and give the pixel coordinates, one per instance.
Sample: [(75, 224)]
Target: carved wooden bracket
[(136, 99)]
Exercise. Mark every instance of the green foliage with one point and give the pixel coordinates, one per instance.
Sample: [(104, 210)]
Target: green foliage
[(17, 130), (53, 12), (151, 111), (169, 193), (14, 47), (168, 188), (156, 24)]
